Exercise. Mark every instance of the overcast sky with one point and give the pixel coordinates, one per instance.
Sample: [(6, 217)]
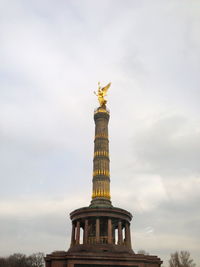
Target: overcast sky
[(52, 54)]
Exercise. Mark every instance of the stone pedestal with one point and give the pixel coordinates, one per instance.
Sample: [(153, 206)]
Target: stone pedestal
[(100, 259)]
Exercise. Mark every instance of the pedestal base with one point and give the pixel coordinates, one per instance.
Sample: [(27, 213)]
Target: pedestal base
[(100, 259)]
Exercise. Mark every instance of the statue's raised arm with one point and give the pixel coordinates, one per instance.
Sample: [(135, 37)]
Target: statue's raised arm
[(101, 93)]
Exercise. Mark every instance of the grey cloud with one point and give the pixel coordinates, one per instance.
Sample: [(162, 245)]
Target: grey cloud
[(171, 223), (51, 232), (170, 146)]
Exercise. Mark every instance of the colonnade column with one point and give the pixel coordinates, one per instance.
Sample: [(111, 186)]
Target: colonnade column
[(127, 235), (77, 232), (97, 230), (73, 234), (120, 233), (85, 237), (109, 231)]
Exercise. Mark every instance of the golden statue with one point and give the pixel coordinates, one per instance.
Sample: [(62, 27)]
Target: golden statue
[(102, 92)]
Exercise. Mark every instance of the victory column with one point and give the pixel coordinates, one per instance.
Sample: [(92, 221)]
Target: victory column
[(106, 235)]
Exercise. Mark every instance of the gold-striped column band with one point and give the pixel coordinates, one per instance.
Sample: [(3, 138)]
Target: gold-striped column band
[(101, 172), (99, 153), (101, 135), (102, 190)]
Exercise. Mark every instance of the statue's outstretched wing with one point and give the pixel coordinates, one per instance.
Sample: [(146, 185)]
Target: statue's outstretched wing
[(105, 89)]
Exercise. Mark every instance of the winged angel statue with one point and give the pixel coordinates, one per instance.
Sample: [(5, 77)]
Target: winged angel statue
[(101, 93)]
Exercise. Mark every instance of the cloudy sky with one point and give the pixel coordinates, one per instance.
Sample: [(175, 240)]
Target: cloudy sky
[(52, 55)]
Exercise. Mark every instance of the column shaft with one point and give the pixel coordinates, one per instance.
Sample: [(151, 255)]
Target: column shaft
[(109, 231), (77, 233), (97, 230), (127, 235), (101, 170), (73, 235), (120, 233), (85, 238)]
